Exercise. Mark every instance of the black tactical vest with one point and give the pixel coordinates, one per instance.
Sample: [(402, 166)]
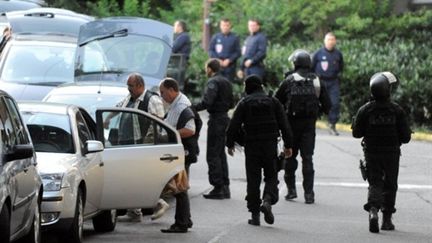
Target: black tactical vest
[(381, 131), (302, 98), (260, 122)]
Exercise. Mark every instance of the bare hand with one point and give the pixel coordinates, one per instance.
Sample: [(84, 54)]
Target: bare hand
[(225, 63), (231, 151), (248, 63), (288, 152), (240, 74)]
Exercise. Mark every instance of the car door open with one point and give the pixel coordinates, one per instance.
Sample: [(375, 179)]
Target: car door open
[(142, 153)]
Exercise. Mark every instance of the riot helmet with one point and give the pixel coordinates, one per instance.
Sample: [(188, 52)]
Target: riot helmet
[(381, 85), (301, 59)]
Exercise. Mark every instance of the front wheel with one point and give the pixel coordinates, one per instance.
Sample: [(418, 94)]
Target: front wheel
[(75, 233), (105, 221)]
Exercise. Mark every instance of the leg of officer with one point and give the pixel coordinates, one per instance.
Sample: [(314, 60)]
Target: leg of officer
[(291, 164), (391, 173), (307, 146), (271, 191), (215, 146), (224, 163), (334, 93), (375, 175), (253, 178)]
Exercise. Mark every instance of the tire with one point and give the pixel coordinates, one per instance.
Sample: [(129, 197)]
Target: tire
[(34, 236), (5, 224), (105, 221), (75, 232)]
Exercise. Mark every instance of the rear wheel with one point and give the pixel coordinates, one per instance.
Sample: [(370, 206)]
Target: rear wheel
[(105, 221), (75, 233), (34, 236), (5, 224)]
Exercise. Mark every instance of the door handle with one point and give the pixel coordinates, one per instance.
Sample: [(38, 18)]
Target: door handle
[(26, 169), (168, 157), (101, 164)]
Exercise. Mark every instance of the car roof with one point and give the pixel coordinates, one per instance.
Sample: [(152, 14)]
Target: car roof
[(12, 5), (4, 93), (91, 88), (46, 22), (47, 107)]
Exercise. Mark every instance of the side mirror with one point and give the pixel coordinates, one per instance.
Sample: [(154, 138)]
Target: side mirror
[(94, 146), (20, 151)]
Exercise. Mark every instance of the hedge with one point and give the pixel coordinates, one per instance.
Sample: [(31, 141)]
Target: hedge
[(409, 59)]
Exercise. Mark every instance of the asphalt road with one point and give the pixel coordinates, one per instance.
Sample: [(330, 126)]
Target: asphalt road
[(337, 215)]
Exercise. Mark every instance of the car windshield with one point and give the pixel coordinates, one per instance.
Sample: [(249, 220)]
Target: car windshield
[(89, 102), (42, 65), (49, 132), (123, 54)]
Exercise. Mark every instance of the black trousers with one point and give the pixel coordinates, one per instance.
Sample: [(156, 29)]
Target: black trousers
[(182, 213), (303, 142), (261, 155), (216, 156), (382, 172)]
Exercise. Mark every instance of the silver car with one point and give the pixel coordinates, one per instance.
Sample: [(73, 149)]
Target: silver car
[(20, 184), (88, 170)]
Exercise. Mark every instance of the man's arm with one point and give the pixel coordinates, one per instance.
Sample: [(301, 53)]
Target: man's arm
[(237, 51), (181, 40), (188, 130), (235, 125), (209, 96), (281, 92), (358, 124), (211, 51), (262, 50), (156, 106), (283, 124)]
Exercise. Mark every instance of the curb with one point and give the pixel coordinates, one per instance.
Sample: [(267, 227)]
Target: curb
[(419, 136)]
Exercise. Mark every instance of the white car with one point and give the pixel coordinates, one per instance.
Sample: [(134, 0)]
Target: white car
[(82, 179)]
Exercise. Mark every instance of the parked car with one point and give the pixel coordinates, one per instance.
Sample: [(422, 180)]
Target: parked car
[(20, 184), (88, 170), (41, 52)]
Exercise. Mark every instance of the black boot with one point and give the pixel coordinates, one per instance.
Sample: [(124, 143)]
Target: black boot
[(387, 223), (255, 220), (373, 220), (266, 209), (227, 192), (292, 193), (309, 197), (216, 193)]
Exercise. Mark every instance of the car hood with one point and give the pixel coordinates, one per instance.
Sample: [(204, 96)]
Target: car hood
[(26, 91), (54, 162)]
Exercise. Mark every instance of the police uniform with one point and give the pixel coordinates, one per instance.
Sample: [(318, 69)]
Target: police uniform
[(303, 96), (182, 44), (217, 99), (261, 117), (384, 127), (226, 47), (328, 65), (255, 49)]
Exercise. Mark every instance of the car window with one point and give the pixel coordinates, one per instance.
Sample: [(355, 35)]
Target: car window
[(39, 64), (4, 142), (83, 132), (18, 130), (129, 128), (50, 132)]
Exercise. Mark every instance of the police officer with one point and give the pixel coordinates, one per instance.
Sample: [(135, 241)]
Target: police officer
[(254, 50), (225, 46), (182, 41), (262, 118), (303, 96), (217, 99), (328, 64), (384, 127)]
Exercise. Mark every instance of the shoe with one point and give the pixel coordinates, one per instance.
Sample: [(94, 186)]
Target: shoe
[(216, 193), (175, 229), (227, 192), (373, 220), (160, 209), (255, 220), (309, 198), (268, 215), (292, 193), (333, 130), (190, 224), (134, 215), (387, 223)]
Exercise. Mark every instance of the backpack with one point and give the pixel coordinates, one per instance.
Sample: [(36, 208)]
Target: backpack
[(303, 92)]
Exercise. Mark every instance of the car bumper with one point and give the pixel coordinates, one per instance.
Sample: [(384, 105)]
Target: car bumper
[(57, 206)]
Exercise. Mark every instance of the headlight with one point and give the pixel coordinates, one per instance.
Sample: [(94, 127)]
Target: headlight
[(52, 182)]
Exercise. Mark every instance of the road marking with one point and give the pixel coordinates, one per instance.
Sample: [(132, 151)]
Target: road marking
[(365, 185)]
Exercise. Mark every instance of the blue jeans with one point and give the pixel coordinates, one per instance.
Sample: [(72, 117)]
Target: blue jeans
[(333, 90)]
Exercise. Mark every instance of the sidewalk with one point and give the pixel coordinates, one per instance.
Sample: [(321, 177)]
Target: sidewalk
[(420, 136)]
